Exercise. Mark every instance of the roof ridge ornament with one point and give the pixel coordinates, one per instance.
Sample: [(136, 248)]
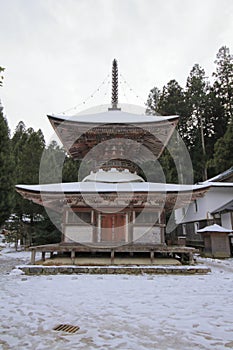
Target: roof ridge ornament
[(114, 87)]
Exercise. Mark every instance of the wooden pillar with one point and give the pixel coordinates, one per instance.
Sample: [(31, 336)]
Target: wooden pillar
[(33, 256), (191, 261), (94, 218), (43, 256), (73, 256), (112, 256), (51, 255), (162, 226), (99, 227), (131, 219), (65, 214), (152, 255)]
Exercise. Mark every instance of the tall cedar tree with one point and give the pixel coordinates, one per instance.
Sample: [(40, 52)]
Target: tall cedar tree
[(7, 170), (27, 146), (223, 151), (196, 97), (223, 85)]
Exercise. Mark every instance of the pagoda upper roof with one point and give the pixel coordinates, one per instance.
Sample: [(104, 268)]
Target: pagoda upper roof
[(82, 132), (113, 117)]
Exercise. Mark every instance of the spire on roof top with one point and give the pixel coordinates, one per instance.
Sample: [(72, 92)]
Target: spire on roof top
[(114, 85)]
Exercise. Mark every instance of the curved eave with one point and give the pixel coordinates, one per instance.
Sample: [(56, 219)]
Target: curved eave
[(95, 119), (157, 196), (79, 136), (102, 187)]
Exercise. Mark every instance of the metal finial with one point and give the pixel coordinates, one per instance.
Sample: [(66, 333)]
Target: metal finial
[(114, 85)]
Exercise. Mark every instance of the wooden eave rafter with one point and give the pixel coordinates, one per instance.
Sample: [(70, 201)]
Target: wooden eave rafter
[(156, 200), (93, 134)]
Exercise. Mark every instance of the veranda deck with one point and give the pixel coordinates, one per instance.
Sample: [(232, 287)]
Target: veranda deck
[(184, 253)]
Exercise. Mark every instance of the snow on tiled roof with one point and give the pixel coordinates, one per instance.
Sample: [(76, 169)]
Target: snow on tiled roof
[(217, 184), (113, 117), (222, 176), (90, 187), (214, 228)]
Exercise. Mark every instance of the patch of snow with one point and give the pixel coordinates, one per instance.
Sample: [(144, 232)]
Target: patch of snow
[(119, 311), (11, 253), (214, 228), (16, 272)]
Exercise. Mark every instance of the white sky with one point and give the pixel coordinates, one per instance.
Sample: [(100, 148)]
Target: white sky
[(57, 52)]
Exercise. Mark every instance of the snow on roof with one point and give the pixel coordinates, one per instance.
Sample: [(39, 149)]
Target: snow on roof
[(114, 116), (222, 176), (214, 228), (216, 184), (92, 187), (112, 176)]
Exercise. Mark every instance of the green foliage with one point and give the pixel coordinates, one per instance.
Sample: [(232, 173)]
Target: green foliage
[(205, 111), (223, 85), (7, 170), (52, 163), (152, 101), (45, 232), (223, 151), (27, 146), (70, 170)]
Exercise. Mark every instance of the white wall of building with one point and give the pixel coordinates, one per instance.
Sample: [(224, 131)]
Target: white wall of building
[(79, 234), (202, 207), (226, 220)]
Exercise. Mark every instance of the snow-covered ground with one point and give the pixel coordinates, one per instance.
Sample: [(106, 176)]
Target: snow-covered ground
[(116, 311)]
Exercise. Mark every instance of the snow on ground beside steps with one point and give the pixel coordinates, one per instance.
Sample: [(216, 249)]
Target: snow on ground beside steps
[(117, 311)]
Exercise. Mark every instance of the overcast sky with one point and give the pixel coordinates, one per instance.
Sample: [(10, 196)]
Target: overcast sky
[(57, 52)]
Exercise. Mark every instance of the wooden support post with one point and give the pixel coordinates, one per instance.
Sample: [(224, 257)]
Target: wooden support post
[(33, 256), (162, 221), (191, 261), (131, 254), (112, 256), (43, 256), (152, 255), (73, 256), (51, 255), (182, 258)]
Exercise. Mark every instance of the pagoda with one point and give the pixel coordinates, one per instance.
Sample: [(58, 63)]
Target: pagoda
[(113, 209)]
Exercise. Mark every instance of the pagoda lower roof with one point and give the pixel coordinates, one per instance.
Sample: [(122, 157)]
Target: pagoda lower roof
[(156, 196), (92, 187)]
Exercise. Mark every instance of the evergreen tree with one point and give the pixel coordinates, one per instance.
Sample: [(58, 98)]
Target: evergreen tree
[(7, 170), (152, 102), (70, 170), (223, 84), (172, 102), (196, 97), (223, 151), (27, 148), (52, 163), (44, 230)]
